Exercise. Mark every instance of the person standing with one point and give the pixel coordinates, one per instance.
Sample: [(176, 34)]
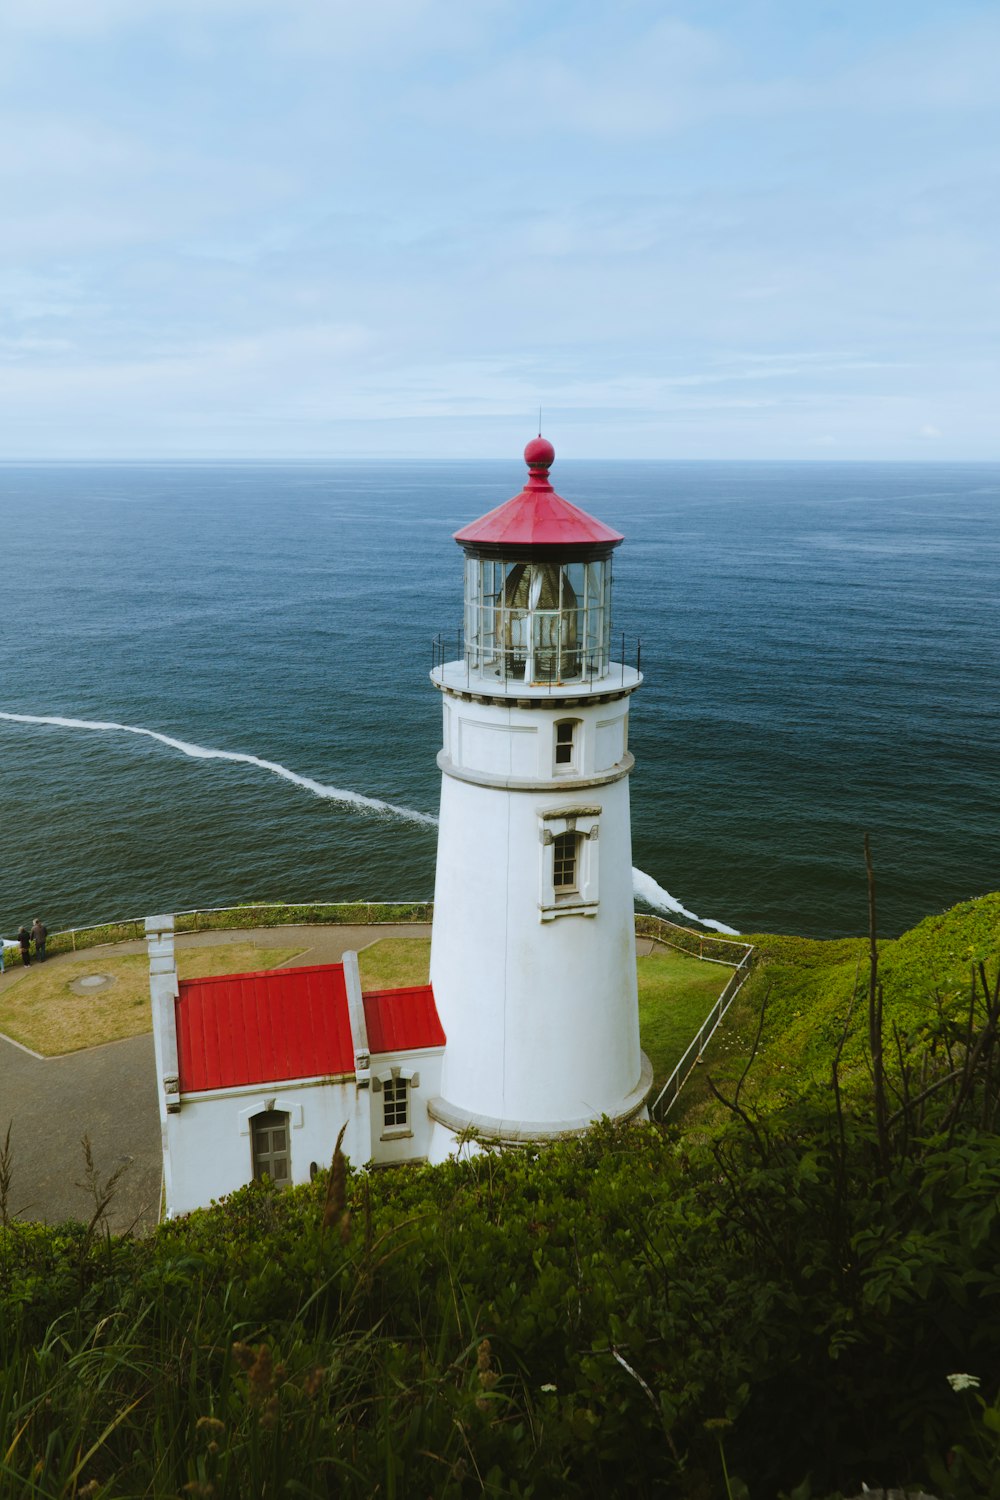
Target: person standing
[(39, 933), (24, 938)]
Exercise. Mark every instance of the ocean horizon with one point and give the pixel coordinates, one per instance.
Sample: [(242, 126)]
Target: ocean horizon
[(819, 642)]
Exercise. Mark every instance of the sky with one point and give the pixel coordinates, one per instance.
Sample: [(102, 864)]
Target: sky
[(319, 230)]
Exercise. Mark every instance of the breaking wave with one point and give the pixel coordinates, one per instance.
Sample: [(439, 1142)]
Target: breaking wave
[(646, 888), (643, 885), (203, 752)]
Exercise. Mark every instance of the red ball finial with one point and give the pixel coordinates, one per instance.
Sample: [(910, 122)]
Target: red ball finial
[(539, 454)]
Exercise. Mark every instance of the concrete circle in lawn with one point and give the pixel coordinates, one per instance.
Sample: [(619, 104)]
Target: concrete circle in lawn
[(89, 984)]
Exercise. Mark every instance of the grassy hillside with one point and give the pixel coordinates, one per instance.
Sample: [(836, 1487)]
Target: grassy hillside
[(814, 997), (770, 1308)]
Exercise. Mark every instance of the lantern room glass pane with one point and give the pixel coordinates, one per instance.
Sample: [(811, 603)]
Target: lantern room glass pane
[(537, 622)]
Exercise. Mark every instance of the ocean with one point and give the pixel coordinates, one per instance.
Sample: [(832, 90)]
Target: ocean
[(820, 644)]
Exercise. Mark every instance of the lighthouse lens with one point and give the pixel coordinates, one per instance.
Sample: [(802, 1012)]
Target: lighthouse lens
[(537, 622)]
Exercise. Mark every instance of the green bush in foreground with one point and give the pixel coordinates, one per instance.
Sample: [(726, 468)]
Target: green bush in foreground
[(590, 1321)]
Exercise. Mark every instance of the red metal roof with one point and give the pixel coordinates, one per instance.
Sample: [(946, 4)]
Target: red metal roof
[(263, 1027), (538, 517), (402, 1020)]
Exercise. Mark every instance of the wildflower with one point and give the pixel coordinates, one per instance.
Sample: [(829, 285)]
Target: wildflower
[(548, 1386), (963, 1382), (487, 1374)]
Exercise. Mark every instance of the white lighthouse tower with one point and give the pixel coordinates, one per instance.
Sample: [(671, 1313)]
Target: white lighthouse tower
[(533, 949)]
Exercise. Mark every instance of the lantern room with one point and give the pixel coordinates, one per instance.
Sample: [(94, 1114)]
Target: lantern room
[(538, 586)]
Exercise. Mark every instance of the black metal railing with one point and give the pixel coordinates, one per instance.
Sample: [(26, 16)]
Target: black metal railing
[(506, 667)]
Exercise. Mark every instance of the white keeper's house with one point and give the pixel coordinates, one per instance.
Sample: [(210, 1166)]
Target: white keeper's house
[(529, 1028)]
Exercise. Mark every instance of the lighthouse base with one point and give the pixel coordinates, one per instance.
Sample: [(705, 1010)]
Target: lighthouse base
[(456, 1131)]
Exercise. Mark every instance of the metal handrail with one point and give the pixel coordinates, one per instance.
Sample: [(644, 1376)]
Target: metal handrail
[(692, 1057), (651, 925), (195, 911)]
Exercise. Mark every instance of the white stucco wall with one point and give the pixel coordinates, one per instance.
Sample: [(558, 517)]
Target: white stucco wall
[(413, 1142), (541, 1015), (210, 1145), (504, 740)]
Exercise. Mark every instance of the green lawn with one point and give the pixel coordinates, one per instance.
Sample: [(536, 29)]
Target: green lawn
[(42, 1012), (392, 963), (676, 992)]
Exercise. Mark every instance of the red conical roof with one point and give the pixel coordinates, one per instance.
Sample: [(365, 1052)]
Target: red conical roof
[(538, 517)]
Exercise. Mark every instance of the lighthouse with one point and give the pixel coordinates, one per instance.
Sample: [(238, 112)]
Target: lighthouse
[(533, 945)]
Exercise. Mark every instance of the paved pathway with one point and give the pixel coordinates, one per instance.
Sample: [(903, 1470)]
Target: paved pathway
[(109, 1092)]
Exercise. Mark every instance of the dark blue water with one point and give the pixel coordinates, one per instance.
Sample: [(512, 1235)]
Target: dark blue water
[(820, 643)]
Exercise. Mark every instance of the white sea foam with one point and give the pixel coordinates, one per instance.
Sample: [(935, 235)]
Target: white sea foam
[(203, 752), (646, 888), (643, 885)]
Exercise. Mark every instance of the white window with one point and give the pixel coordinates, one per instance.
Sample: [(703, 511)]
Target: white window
[(396, 1086), (567, 739), (395, 1103), (568, 880), (565, 862)]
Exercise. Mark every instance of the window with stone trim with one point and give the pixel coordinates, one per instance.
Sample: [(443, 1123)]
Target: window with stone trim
[(565, 862), (395, 1085), (568, 870), (395, 1103)]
